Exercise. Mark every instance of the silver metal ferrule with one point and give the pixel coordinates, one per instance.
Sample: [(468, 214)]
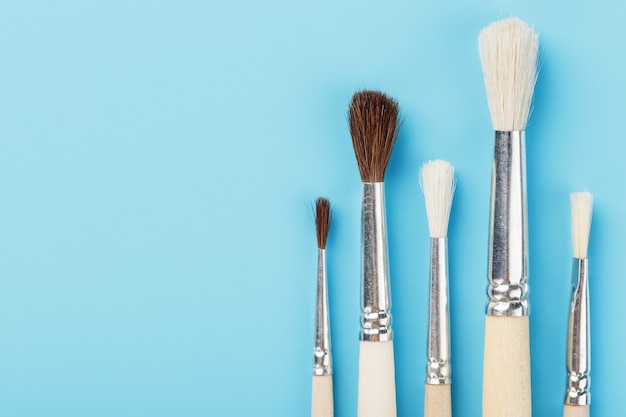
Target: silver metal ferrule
[(578, 353), (375, 294), (321, 361), (508, 236), (438, 367)]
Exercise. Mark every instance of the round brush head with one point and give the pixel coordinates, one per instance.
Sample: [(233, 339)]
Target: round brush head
[(508, 52), (438, 184), (582, 207), (322, 221), (374, 127)]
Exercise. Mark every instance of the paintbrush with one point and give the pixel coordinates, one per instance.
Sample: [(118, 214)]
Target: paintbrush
[(437, 181), (508, 51), (374, 126), (578, 398), (322, 392)]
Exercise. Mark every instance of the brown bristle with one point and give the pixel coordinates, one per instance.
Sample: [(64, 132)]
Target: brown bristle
[(374, 127), (322, 221)]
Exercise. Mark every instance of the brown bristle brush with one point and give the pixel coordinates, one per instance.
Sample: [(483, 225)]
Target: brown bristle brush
[(374, 127), (322, 395)]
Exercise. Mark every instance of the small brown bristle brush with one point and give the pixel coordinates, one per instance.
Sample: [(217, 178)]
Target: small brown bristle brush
[(374, 127), (438, 184), (508, 52), (322, 395), (578, 398)]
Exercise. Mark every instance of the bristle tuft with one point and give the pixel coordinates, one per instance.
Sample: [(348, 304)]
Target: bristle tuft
[(508, 51), (322, 221), (438, 184), (582, 206), (374, 128)]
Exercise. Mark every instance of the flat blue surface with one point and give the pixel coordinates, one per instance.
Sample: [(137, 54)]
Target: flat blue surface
[(158, 160)]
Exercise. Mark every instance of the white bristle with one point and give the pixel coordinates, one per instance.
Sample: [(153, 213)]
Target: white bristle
[(438, 183), (508, 51), (582, 205)]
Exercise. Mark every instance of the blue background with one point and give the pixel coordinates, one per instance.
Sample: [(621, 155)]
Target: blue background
[(158, 162)]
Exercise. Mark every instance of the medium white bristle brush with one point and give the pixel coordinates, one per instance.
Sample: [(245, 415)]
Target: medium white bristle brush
[(322, 395), (508, 52), (437, 181), (577, 398), (374, 128)]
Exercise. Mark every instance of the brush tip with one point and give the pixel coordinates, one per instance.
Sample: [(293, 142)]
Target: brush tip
[(322, 221), (582, 207), (438, 184), (374, 127), (508, 52)]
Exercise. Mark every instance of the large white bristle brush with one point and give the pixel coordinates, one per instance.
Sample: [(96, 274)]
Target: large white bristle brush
[(508, 52)]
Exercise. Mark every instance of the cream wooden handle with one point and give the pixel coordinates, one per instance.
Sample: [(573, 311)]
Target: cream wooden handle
[(506, 372), (576, 411), (377, 384), (322, 400), (437, 401)]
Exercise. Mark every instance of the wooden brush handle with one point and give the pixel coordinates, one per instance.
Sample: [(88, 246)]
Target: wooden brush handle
[(437, 401), (576, 411), (377, 384), (322, 400), (506, 372)]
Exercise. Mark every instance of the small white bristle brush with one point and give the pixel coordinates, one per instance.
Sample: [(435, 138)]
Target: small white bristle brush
[(508, 52), (322, 395), (374, 125), (437, 181), (577, 398)]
